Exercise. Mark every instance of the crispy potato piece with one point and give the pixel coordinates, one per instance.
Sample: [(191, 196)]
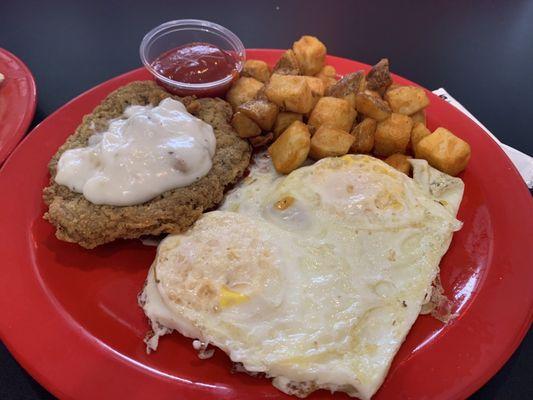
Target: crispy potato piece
[(333, 112), (262, 112), (287, 64), (328, 75), (317, 88), (400, 162), (283, 120), (372, 106), (244, 126), (349, 84), (290, 150), (392, 135), (379, 77), (316, 85), (261, 140), (419, 116), (444, 151), (350, 98), (363, 133), (330, 142), (290, 92), (407, 100), (256, 69), (418, 133), (328, 71), (310, 53), (243, 90)]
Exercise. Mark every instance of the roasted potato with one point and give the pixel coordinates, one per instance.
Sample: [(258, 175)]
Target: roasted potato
[(327, 71), (256, 69), (243, 90), (419, 116), (317, 87), (400, 162), (407, 100), (283, 120), (328, 75), (244, 126), (333, 112), (379, 77), (310, 53), (290, 150), (349, 84), (392, 135), (418, 133), (330, 142), (444, 151), (287, 64), (261, 140), (371, 105), (262, 112), (292, 93), (363, 133)]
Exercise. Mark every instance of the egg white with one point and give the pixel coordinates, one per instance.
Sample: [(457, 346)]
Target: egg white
[(314, 278)]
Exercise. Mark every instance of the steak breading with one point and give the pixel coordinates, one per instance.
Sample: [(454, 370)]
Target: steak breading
[(79, 221)]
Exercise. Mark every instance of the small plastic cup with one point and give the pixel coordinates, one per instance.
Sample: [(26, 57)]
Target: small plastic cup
[(177, 33)]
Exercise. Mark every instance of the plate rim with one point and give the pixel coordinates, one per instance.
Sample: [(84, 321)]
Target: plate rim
[(29, 111)]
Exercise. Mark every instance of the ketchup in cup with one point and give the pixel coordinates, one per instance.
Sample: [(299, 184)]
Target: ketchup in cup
[(193, 57), (197, 63)]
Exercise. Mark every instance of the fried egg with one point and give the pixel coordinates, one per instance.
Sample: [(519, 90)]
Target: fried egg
[(314, 278)]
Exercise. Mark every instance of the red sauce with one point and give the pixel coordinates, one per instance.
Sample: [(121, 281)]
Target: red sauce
[(196, 63)]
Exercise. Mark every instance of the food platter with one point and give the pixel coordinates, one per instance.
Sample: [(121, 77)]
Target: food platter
[(18, 99), (73, 322)]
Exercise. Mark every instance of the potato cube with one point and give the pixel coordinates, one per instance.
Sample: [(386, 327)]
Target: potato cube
[(327, 71), (349, 84), (379, 77), (287, 64), (328, 76), (244, 126), (330, 142), (261, 140), (363, 133), (400, 162), (371, 105), (257, 69), (283, 120), (392, 135), (290, 150), (310, 53), (334, 113), (317, 87), (243, 90), (262, 112), (290, 92), (407, 100), (418, 133), (350, 98), (419, 116), (444, 151)]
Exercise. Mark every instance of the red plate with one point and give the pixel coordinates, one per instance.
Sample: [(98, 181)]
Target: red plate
[(17, 102), (70, 317)]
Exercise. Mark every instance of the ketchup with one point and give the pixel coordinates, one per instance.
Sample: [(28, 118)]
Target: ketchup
[(196, 63)]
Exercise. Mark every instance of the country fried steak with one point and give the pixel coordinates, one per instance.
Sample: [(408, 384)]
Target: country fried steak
[(79, 221)]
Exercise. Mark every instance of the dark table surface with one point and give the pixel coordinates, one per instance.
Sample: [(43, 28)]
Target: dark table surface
[(481, 52)]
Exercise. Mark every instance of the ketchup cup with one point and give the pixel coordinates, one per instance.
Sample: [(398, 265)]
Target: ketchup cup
[(175, 34)]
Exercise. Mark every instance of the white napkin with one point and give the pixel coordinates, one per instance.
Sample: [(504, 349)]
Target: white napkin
[(522, 162)]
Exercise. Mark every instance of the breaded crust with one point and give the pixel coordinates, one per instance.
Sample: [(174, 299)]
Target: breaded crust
[(80, 221)]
